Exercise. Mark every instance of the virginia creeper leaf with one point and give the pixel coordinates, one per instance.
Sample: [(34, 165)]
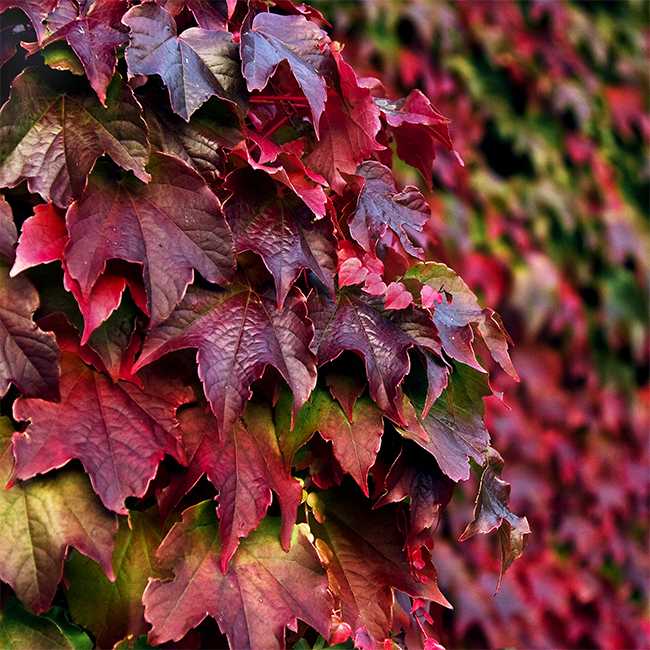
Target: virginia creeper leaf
[(365, 557), (417, 476), (42, 517), (8, 232), (93, 31), (28, 356), (115, 609), (348, 129), (52, 139), (125, 431), (194, 66), (37, 10), (455, 315), (265, 589), (22, 630), (347, 388), (355, 442), (279, 228), (171, 226), (237, 333), (491, 511), (381, 206), (209, 14), (267, 39), (358, 322)]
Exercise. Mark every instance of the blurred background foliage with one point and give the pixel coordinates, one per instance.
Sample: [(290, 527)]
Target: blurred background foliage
[(548, 222)]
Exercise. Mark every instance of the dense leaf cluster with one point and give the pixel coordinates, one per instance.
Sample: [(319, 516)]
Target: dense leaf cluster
[(548, 222), (237, 387)]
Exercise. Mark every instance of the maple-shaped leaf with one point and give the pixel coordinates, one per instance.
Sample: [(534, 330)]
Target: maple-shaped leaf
[(417, 125), (194, 66), (244, 469), (238, 332), (279, 228), (52, 139), (29, 357), (125, 431), (171, 226), (381, 206), (355, 442), (417, 476), (200, 142), (359, 322), (22, 630), (455, 316), (349, 127), (42, 517), (8, 232), (94, 31), (268, 39), (454, 423), (37, 10), (113, 610), (365, 556), (266, 588), (209, 14), (491, 511)]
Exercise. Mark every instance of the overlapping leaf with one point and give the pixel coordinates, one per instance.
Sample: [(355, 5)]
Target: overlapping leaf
[(195, 65), (265, 589), (267, 39), (94, 31), (116, 611), (52, 139), (366, 560), (40, 519), (171, 226), (209, 14), (281, 229), (123, 434), (238, 333), (29, 357), (381, 206), (37, 10), (359, 323), (244, 469)]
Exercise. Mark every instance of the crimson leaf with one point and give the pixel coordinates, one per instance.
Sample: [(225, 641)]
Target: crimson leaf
[(281, 229), (364, 554), (194, 66), (265, 589), (125, 431), (28, 356), (381, 206), (244, 469), (171, 226), (358, 322), (52, 139), (94, 32), (267, 39), (40, 519), (237, 333)]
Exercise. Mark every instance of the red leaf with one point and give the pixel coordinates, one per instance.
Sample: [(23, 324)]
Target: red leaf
[(237, 333), (28, 356), (244, 469), (37, 10), (125, 431), (38, 125), (360, 323), (346, 388), (267, 39), (367, 561), (281, 229), (348, 129), (265, 589), (94, 34), (43, 517), (171, 226), (381, 207), (397, 297), (209, 14)]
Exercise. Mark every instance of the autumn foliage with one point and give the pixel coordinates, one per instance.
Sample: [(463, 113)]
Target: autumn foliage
[(234, 385)]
